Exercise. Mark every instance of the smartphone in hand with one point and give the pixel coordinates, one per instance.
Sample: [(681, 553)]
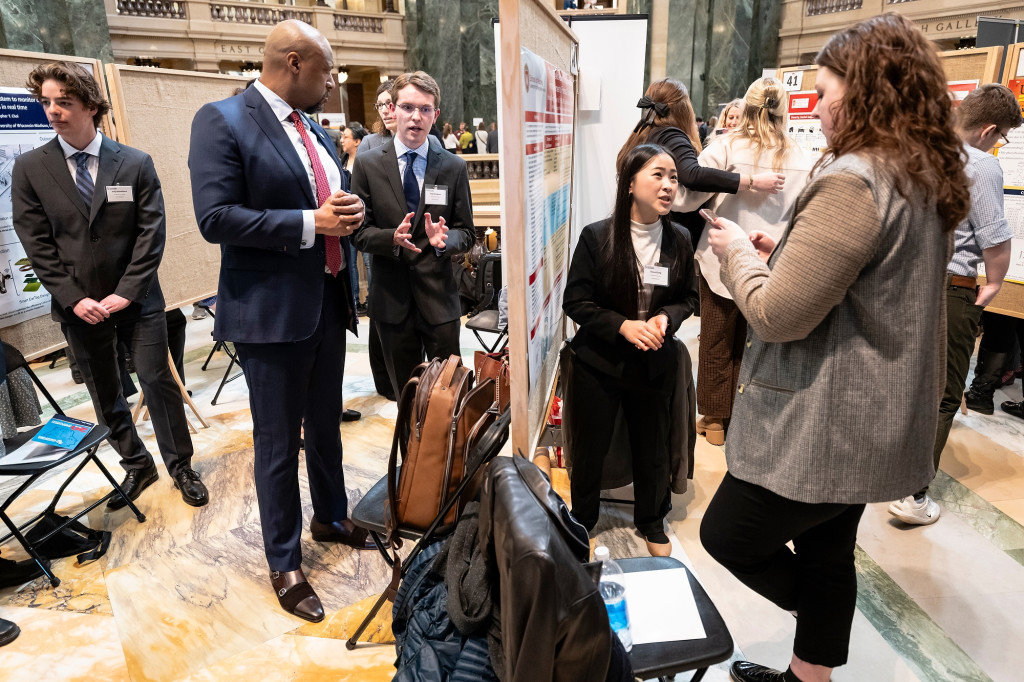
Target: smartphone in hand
[(708, 215)]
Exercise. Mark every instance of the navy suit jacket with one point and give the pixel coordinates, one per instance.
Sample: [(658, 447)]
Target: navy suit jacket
[(249, 188)]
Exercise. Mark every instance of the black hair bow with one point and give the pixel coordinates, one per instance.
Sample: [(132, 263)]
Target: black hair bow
[(651, 109)]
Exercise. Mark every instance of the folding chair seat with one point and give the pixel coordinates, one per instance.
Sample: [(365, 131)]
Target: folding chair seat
[(34, 471), (486, 321), (370, 512)]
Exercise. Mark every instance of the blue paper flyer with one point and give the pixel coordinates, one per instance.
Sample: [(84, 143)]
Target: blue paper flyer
[(63, 432)]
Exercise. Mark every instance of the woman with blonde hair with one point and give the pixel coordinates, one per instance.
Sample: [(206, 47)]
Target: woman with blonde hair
[(668, 120), (847, 323), (758, 143), (730, 116)]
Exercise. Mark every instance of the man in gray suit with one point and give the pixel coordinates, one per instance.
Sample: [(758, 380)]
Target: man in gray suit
[(418, 215), (90, 214)]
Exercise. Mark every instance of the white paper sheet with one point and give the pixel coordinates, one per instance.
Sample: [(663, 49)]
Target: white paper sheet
[(661, 607), (34, 452)]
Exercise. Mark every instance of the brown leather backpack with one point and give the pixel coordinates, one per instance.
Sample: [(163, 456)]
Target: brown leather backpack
[(440, 416)]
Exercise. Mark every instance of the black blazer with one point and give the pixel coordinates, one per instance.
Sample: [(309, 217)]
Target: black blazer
[(81, 251), (589, 303), (406, 278), (249, 188), (692, 175)]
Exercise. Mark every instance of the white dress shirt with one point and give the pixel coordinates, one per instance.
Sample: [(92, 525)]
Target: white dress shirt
[(282, 110), (93, 162)]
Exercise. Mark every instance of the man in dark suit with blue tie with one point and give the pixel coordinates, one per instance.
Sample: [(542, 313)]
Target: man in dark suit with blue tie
[(418, 215), (268, 187), (90, 214)]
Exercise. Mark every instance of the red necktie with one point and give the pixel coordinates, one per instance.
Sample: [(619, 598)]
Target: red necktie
[(323, 190)]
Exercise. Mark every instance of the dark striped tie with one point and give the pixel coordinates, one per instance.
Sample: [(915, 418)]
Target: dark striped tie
[(83, 179)]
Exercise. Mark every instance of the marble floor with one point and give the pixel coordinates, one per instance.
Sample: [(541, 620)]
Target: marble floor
[(184, 596)]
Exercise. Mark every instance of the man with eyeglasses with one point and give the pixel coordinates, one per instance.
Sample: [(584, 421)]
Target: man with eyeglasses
[(418, 214), (983, 120)]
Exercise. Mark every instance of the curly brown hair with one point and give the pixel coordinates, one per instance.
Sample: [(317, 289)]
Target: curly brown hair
[(897, 109), (75, 81), (680, 115)]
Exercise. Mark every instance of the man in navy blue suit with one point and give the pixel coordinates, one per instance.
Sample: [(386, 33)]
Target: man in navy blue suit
[(268, 187)]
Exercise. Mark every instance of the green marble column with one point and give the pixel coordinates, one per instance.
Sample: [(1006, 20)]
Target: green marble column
[(453, 41), (71, 27)]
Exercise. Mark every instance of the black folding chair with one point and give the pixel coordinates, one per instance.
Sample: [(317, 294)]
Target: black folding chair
[(229, 351), (370, 514), (88, 447), (666, 659), (487, 322)]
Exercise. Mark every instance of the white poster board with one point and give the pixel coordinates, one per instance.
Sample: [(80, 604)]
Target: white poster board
[(23, 127), (802, 123), (611, 83)]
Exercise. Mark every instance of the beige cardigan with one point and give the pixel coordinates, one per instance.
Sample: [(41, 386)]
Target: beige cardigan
[(768, 213), (839, 388)]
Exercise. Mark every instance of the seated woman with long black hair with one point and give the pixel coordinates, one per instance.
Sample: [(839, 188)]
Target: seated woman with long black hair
[(631, 284)]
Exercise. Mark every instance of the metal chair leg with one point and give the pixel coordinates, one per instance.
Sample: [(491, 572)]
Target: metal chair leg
[(43, 563), (216, 347), (117, 488)]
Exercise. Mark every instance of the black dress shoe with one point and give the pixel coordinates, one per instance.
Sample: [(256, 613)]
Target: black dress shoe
[(344, 531), (135, 481), (1011, 407), (296, 596), (350, 416), (14, 573), (192, 489), (745, 671), (8, 632)]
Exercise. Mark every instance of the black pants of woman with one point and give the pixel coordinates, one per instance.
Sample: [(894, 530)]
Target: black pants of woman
[(645, 404), (746, 528)]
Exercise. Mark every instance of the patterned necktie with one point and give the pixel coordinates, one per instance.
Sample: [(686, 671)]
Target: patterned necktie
[(82, 178), (323, 191), (410, 187)]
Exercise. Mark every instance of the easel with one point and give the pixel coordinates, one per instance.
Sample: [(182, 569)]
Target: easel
[(143, 411)]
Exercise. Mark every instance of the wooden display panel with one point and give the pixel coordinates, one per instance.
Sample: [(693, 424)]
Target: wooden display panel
[(980, 63), (535, 26), (1010, 299), (808, 76), (154, 109), (40, 335)]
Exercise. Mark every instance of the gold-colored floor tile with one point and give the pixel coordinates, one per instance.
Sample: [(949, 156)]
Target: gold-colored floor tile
[(57, 646), (1012, 508), (82, 589), (343, 622), (986, 467), (291, 657)]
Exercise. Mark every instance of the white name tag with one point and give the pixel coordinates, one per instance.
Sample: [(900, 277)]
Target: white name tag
[(436, 194), (119, 193), (656, 275)]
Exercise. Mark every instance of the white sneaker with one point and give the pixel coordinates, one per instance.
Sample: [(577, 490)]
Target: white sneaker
[(198, 313), (909, 510)]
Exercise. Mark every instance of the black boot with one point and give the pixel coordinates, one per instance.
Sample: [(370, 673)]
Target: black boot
[(988, 376)]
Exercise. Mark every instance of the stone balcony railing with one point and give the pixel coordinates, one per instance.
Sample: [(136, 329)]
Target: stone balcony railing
[(165, 9), (482, 166), (260, 15), (253, 14)]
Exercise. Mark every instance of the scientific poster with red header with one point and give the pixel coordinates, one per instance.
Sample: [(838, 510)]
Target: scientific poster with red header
[(802, 122), (548, 103)]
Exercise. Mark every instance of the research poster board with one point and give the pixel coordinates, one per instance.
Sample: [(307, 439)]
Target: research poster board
[(154, 109), (538, 69), (23, 127), (802, 122), (28, 327)]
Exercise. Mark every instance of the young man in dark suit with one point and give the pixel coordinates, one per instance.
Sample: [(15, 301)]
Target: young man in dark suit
[(90, 214), (267, 185), (418, 215)]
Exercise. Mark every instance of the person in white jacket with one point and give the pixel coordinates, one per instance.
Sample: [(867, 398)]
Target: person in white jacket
[(757, 144)]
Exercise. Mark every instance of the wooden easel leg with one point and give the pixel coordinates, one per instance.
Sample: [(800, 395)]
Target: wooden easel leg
[(184, 392), (138, 406)]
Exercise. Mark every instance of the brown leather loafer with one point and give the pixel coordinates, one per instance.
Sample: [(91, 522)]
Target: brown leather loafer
[(344, 531), (296, 596)]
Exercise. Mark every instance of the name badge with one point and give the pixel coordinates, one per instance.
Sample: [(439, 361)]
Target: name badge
[(656, 275), (119, 193), (436, 194)]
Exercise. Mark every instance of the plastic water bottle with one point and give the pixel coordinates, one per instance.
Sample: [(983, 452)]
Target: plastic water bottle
[(613, 591)]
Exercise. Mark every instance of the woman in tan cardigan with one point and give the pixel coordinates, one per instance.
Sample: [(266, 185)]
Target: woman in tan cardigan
[(845, 323)]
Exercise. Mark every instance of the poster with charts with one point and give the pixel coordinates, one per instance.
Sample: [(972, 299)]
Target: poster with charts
[(802, 122), (23, 127), (548, 103), (1011, 160)]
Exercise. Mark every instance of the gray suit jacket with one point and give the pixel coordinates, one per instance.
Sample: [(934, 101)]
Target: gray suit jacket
[(408, 278), (845, 411), (81, 251)]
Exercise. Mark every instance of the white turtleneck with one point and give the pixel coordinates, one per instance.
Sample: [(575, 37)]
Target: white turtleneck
[(647, 244)]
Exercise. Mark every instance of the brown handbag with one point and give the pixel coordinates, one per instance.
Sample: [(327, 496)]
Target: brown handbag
[(495, 366), (440, 417)]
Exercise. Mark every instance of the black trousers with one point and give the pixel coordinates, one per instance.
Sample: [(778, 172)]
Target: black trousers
[(379, 366), (413, 341), (746, 528), (295, 386), (94, 348), (645, 404)]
